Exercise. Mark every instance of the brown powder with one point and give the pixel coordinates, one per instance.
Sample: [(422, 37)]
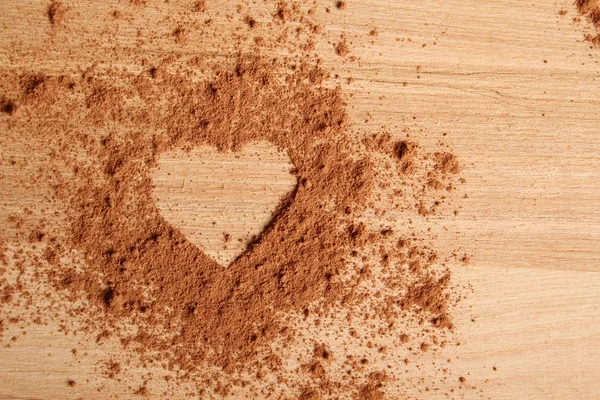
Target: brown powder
[(3, 249), (252, 23), (406, 152), (372, 389), (309, 394), (591, 10), (199, 6), (428, 295), (142, 391), (341, 48), (284, 11), (56, 13), (446, 163), (180, 34), (112, 369), (7, 106)]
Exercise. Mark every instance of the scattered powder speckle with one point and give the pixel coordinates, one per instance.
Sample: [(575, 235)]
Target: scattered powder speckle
[(56, 13), (142, 391), (341, 5), (199, 6), (342, 48), (591, 10)]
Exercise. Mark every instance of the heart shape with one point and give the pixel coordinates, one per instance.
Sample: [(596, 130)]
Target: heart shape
[(222, 201)]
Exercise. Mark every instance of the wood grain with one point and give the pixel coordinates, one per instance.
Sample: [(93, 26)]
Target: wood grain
[(202, 192), (511, 85)]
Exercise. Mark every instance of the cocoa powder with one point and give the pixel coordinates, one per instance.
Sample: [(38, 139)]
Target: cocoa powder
[(318, 263), (295, 261), (56, 13)]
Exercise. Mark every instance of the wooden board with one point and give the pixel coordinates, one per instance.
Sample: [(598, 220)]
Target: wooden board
[(515, 89)]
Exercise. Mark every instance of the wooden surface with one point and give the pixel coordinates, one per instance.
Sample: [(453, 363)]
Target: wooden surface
[(220, 201), (516, 90)]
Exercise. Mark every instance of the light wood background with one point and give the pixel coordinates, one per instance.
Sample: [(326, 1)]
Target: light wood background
[(515, 88), (203, 191)]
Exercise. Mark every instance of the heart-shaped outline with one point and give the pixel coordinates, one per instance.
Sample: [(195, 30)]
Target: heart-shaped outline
[(259, 171)]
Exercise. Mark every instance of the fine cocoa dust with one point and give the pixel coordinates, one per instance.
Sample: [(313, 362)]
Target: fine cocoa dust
[(295, 261), (321, 267)]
